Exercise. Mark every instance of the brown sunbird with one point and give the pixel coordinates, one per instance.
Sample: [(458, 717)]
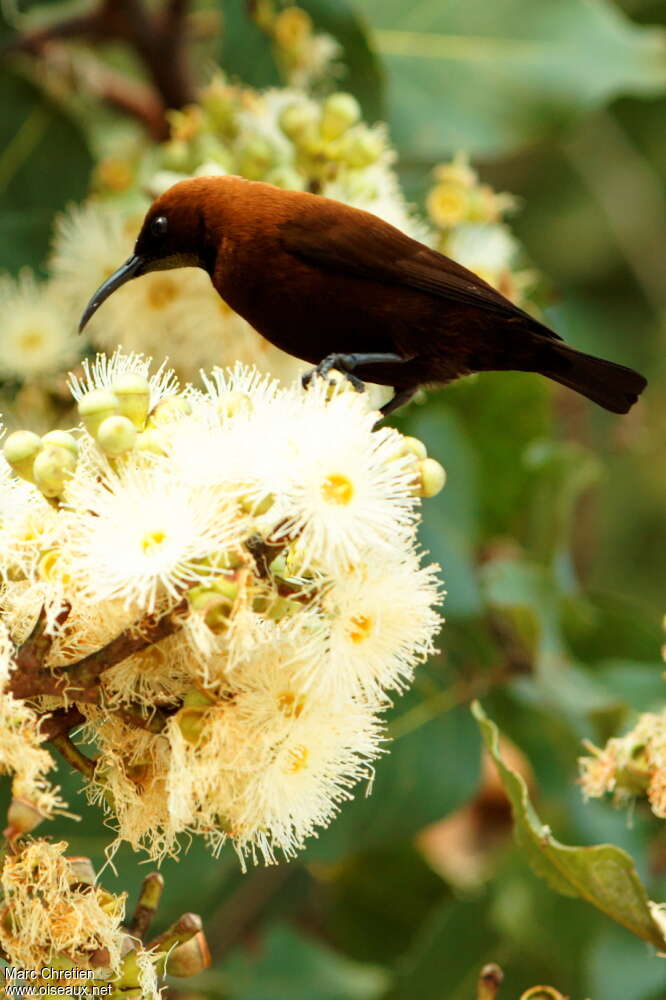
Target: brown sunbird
[(340, 288)]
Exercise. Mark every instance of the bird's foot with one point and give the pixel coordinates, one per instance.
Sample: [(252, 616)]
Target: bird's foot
[(343, 363)]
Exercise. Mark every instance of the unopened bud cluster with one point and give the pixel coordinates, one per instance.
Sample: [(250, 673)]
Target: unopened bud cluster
[(276, 530)]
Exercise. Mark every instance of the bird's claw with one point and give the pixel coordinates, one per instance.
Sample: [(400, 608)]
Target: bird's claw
[(335, 362)]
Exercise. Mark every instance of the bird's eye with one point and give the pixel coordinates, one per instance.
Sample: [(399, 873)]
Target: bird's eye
[(159, 225)]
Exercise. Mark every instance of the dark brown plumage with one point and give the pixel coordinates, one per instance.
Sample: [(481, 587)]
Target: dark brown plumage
[(339, 287)]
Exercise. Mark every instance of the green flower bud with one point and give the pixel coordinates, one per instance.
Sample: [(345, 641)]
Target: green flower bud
[(133, 392), (340, 112), (286, 177), (298, 119), (279, 566), (215, 601), (190, 958), (96, 406), (63, 439), (218, 103), (256, 156), (432, 477), (116, 435), (195, 698), (176, 155), (20, 449), (191, 722), (226, 560), (150, 440), (282, 607), (52, 468), (256, 506), (168, 409), (361, 147), (234, 404), (212, 156), (413, 446)]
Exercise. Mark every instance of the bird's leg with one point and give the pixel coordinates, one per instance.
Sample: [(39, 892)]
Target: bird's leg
[(398, 400), (346, 363)]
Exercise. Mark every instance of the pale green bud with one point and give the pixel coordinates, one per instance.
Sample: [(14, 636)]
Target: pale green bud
[(229, 559), (297, 119), (133, 392), (191, 722), (176, 156), (413, 446), (432, 477), (286, 177), (215, 602), (63, 439), (217, 102), (20, 449), (52, 468), (212, 156), (256, 156), (116, 435), (168, 409), (361, 147), (282, 607), (195, 698), (150, 440), (234, 404), (340, 112), (96, 406), (279, 566), (256, 506)]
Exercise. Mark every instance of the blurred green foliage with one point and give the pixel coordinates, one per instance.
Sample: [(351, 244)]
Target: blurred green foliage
[(551, 531)]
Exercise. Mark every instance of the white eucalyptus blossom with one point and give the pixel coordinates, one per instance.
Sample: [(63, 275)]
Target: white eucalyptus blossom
[(275, 530)]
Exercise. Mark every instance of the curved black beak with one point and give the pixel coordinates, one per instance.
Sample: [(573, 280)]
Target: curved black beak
[(132, 268)]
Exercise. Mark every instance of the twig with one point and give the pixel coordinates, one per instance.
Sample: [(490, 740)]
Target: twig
[(81, 680), (149, 900), (158, 39), (73, 756)]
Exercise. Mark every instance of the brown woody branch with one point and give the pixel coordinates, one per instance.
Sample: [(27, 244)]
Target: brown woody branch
[(158, 39)]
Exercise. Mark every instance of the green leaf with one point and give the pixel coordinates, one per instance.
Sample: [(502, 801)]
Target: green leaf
[(44, 164), (246, 52), (490, 77), (291, 967), (602, 875), (428, 772)]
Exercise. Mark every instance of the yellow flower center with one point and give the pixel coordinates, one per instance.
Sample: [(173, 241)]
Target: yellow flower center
[(298, 759), (152, 540), (291, 704), (161, 292), (337, 489), (31, 341), (361, 627)]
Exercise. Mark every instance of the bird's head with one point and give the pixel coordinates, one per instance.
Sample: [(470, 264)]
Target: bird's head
[(173, 234)]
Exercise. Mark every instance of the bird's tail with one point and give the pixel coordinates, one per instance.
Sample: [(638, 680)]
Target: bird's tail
[(612, 386)]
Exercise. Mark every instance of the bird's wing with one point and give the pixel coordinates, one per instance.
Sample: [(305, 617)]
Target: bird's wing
[(361, 244)]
